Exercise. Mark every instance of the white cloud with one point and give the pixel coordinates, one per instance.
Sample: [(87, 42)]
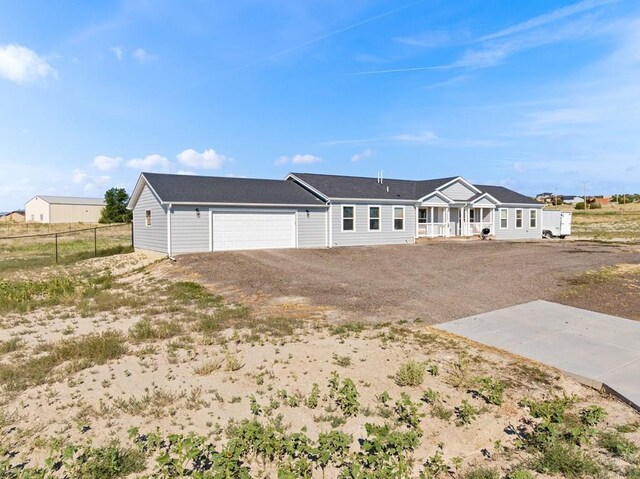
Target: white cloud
[(21, 65), (149, 162), (140, 54), (184, 172), (106, 163), (297, 160), (547, 18), (423, 137), (368, 153), (430, 39), (89, 183), (208, 159), (305, 159), (118, 52)]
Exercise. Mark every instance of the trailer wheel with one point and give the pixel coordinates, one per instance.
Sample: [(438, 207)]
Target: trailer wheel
[(547, 234), (562, 237)]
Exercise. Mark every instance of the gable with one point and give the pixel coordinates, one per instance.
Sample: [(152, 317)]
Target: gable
[(458, 191), (483, 203)]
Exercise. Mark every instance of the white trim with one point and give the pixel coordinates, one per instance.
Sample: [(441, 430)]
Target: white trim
[(500, 218), (440, 194), (515, 218), (393, 217), (375, 200), (295, 226), (245, 205), (210, 230), (487, 195), (533, 210), (330, 229), (461, 180), (306, 185), (137, 191), (342, 218), (169, 229), (379, 217)]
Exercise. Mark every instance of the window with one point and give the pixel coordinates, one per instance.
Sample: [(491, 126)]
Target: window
[(398, 218), (472, 216), (348, 218), (422, 216), (533, 218), (518, 218), (147, 218), (374, 218), (504, 219)]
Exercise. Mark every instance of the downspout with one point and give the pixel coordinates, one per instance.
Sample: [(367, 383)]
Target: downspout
[(169, 231), (330, 225)]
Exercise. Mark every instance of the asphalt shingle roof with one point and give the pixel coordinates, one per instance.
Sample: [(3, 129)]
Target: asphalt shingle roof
[(358, 187), (505, 195), (215, 189)]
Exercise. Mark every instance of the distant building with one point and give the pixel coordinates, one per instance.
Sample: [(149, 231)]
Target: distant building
[(544, 197), (16, 216), (63, 209), (571, 199), (601, 200)]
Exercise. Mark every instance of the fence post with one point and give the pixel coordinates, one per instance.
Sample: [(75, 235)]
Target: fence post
[(56, 235), (95, 242)]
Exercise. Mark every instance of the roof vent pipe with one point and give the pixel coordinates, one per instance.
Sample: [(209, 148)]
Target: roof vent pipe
[(387, 189), (381, 172)]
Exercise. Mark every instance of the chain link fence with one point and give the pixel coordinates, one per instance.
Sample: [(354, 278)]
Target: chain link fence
[(63, 247)]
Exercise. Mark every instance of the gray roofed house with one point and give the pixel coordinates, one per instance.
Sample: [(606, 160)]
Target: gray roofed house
[(183, 213), (191, 189)]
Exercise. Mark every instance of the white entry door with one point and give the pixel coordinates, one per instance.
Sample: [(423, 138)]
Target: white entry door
[(236, 230)]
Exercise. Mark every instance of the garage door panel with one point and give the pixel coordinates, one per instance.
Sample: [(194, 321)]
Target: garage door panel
[(253, 230)]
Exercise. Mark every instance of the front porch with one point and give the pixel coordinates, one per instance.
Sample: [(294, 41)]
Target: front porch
[(458, 220)]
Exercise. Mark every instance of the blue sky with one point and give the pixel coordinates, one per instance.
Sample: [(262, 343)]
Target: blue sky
[(536, 96)]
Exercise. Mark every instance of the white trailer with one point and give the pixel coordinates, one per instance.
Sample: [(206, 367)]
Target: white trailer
[(556, 224)]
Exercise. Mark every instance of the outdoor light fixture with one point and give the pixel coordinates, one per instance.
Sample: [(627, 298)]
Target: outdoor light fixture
[(198, 212), (307, 213)]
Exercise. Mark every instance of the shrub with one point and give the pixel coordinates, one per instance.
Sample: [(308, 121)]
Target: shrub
[(410, 374), (481, 472), (617, 445), (565, 459), (520, 474)]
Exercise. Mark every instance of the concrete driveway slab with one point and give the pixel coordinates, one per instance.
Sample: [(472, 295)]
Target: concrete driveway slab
[(597, 347)]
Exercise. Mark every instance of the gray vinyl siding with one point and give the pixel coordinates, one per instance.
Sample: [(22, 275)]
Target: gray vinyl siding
[(458, 192), (512, 233), (189, 233), (312, 230), (362, 236), (152, 237)]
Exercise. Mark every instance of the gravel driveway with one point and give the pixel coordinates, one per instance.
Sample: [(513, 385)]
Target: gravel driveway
[(436, 281)]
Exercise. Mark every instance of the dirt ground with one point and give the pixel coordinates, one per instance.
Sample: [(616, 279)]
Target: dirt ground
[(435, 282)]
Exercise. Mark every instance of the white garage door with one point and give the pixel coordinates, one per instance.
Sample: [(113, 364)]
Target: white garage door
[(233, 230)]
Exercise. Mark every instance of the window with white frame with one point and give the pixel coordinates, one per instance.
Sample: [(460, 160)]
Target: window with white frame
[(519, 219), (374, 218), (398, 218), (422, 216), (348, 218), (533, 218), (147, 218), (504, 219)]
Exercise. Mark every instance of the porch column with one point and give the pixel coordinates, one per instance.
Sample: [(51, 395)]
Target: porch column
[(432, 230)]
